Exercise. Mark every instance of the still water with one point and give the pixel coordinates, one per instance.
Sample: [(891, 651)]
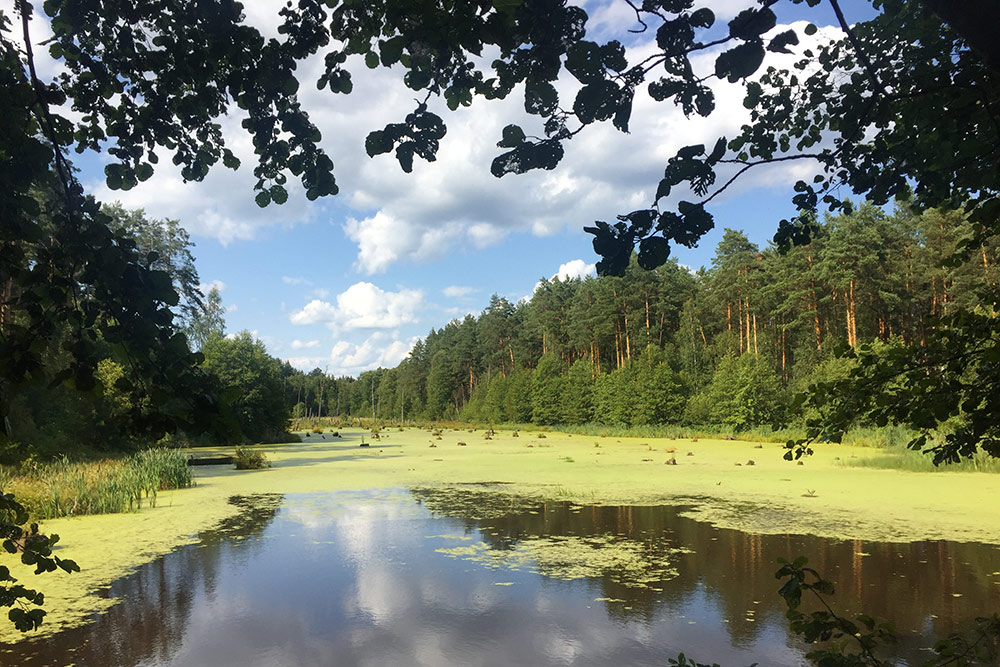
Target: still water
[(458, 577)]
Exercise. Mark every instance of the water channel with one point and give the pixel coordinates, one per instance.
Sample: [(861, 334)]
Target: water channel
[(473, 577)]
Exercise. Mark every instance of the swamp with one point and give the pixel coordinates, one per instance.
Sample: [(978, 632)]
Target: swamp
[(403, 553)]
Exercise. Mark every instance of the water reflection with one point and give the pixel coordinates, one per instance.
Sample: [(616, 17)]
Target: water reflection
[(380, 578)]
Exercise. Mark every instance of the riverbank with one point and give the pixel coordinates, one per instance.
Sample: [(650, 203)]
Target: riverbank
[(823, 496)]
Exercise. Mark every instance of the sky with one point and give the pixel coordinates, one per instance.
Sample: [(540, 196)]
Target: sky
[(349, 283)]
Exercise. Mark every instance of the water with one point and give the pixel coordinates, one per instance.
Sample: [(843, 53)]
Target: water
[(459, 577)]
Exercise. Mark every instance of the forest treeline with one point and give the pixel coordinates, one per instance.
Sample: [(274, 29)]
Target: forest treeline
[(727, 346), (730, 344)]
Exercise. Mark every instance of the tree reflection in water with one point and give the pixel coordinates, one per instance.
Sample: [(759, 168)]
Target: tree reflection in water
[(156, 600), (929, 589), (360, 578)]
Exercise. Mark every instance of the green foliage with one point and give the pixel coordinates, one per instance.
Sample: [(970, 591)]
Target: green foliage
[(208, 322), (612, 402), (254, 382), (250, 459), (35, 549), (576, 402), (841, 642), (547, 389), (745, 392)]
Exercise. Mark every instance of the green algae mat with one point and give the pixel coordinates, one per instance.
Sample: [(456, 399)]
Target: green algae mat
[(731, 484)]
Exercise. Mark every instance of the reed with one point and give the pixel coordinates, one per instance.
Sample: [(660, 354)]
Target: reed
[(64, 488)]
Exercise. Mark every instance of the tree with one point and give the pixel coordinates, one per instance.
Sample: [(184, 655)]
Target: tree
[(577, 400), (745, 393), (172, 247), (547, 389), (209, 323), (909, 99), (256, 388)]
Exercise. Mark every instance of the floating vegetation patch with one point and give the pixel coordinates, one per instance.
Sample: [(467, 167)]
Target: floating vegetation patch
[(474, 505), (624, 561)]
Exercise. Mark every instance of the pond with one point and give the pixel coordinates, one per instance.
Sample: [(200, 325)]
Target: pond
[(473, 577)]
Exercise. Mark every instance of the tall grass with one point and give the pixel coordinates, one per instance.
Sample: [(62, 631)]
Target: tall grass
[(900, 458), (62, 488)]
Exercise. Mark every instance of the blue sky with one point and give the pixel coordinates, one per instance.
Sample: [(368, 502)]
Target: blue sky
[(349, 283)]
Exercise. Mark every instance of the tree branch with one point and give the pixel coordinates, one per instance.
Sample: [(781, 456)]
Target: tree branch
[(869, 68)]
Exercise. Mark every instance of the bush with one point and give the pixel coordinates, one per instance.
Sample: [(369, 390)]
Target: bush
[(250, 459)]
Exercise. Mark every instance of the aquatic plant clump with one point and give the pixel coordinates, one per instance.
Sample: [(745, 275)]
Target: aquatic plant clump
[(250, 459)]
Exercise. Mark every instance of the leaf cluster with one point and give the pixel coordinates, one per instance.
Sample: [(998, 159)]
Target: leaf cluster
[(35, 549)]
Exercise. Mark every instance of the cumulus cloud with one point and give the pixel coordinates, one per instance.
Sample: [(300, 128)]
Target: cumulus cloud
[(576, 268), (315, 311), (455, 202), (304, 344), (380, 349), (205, 288), (363, 306), (457, 291), (373, 352)]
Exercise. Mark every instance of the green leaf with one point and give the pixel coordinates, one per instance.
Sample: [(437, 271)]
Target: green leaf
[(540, 97), (653, 252), (780, 42), (662, 190), (752, 23), (703, 18), (596, 101), (513, 136), (230, 160), (144, 171), (392, 49), (378, 142), (718, 151), (583, 60), (278, 194), (613, 56), (263, 198), (113, 173), (739, 62), (371, 60)]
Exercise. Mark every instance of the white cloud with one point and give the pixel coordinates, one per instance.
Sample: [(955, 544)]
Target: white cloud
[(380, 349), (232, 308), (455, 202), (457, 291), (320, 293), (222, 205), (314, 311), (294, 280), (205, 288), (576, 268), (304, 344), (363, 306)]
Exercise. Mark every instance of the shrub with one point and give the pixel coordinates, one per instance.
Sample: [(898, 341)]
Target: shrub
[(250, 459)]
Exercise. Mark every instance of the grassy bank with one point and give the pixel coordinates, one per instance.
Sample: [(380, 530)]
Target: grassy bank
[(64, 488), (826, 495)]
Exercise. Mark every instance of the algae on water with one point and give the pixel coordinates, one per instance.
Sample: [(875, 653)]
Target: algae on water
[(624, 561)]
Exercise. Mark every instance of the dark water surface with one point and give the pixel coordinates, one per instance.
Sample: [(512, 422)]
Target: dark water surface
[(472, 578)]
